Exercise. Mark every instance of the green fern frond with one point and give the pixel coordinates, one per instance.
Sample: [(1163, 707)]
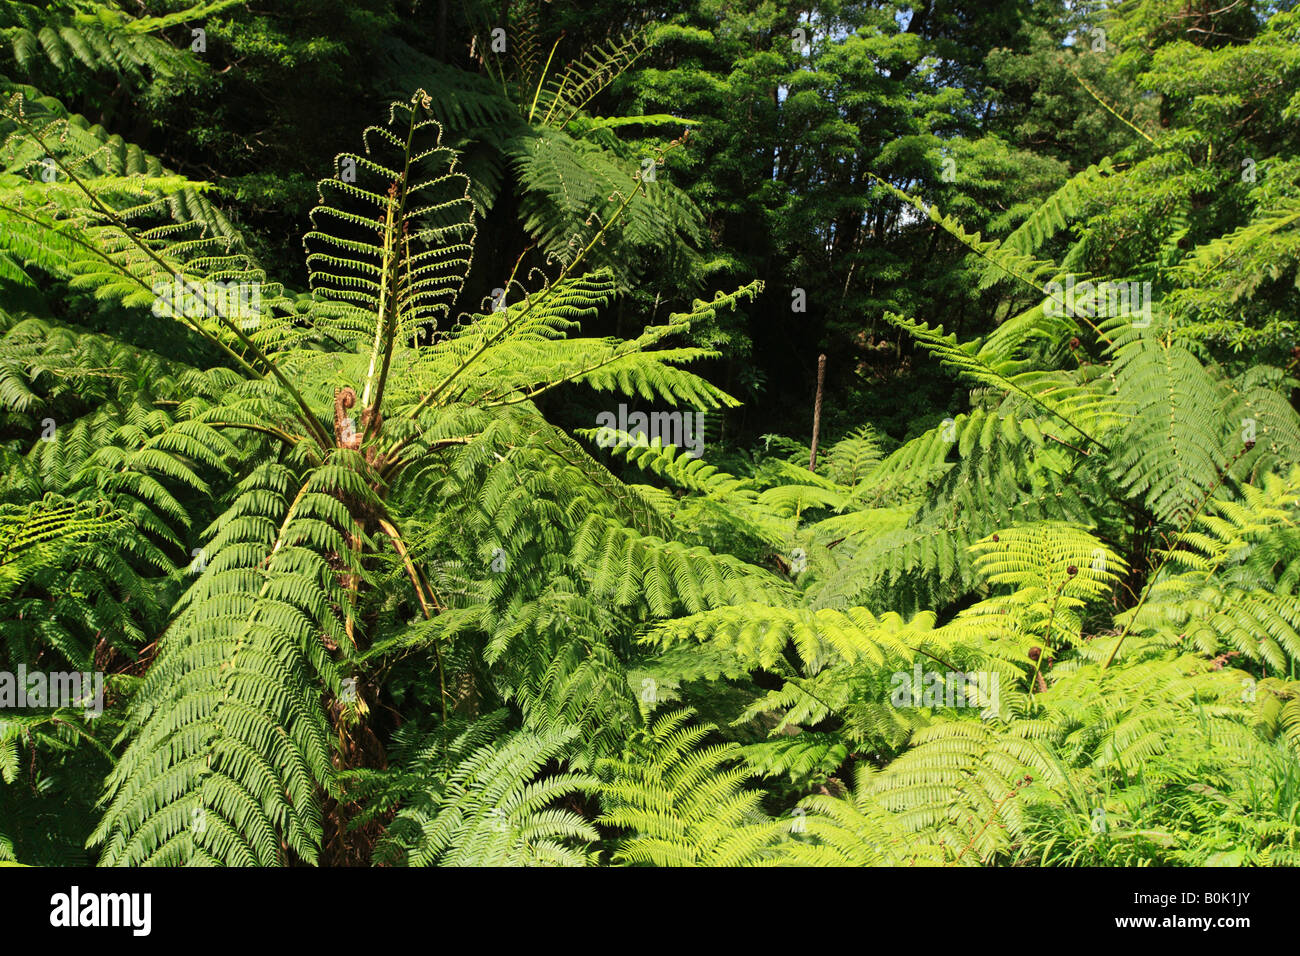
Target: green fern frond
[(682, 804), (229, 754), (494, 808), (392, 238)]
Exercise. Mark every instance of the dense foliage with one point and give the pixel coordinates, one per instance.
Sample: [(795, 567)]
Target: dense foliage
[(385, 546)]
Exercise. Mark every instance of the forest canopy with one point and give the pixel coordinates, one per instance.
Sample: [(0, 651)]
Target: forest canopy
[(671, 433)]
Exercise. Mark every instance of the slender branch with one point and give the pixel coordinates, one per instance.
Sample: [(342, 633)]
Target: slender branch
[(1114, 112), (386, 321), (817, 411), (542, 79), (267, 429), (413, 573)]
